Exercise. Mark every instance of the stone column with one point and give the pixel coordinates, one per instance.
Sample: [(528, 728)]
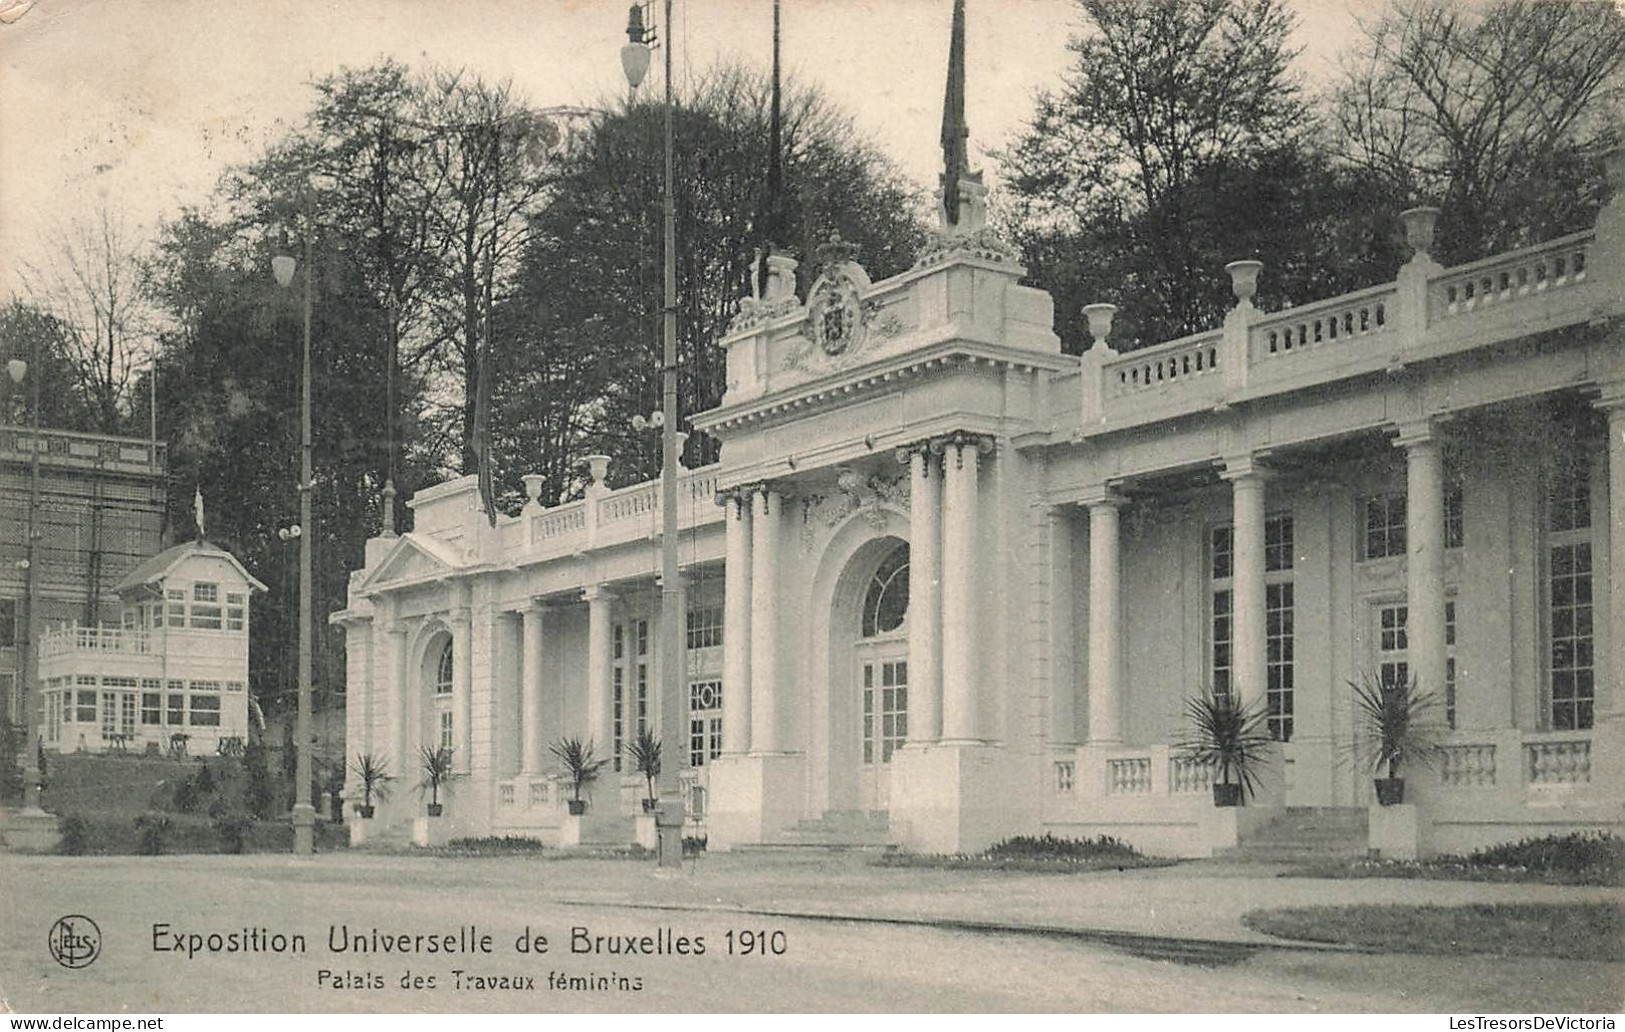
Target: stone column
[(462, 682), (1105, 628), (532, 749), (764, 652), (736, 620), (1424, 556), (405, 754), (1610, 703), (1247, 484), (924, 596), (960, 461), (600, 702)]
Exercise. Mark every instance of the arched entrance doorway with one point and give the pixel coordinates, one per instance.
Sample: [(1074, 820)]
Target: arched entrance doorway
[(868, 713)]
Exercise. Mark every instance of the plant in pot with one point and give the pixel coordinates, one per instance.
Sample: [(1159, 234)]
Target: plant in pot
[(580, 766), (1392, 717), (1232, 739), (645, 754), (436, 767), (375, 777)]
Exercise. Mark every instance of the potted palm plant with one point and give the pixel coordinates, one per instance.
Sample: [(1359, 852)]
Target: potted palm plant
[(580, 766), (374, 773), (1393, 718), (436, 767), (1230, 738), (645, 754)]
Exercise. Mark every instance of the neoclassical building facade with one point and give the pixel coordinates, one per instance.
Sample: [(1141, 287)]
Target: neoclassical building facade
[(948, 584)]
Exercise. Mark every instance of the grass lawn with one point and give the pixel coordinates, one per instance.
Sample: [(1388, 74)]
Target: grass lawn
[(1573, 931), (1452, 870)]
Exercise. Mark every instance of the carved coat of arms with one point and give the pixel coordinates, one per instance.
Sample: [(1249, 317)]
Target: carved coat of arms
[(836, 320)]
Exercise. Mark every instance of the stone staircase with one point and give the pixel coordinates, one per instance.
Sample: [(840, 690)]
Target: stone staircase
[(1305, 834), (835, 830)]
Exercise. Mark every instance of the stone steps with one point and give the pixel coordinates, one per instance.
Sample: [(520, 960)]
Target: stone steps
[(1305, 834)]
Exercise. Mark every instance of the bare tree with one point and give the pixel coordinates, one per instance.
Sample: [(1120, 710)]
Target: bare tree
[(1495, 113), (92, 282)]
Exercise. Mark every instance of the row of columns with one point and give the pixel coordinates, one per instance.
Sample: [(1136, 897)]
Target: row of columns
[(1248, 479), (753, 521), (944, 505)]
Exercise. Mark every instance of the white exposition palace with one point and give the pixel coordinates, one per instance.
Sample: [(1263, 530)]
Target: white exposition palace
[(948, 584)]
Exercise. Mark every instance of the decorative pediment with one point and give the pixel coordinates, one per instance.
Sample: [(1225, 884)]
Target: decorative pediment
[(413, 559)]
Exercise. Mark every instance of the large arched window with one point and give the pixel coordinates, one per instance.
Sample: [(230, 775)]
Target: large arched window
[(886, 602), (442, 698), (442, 674)]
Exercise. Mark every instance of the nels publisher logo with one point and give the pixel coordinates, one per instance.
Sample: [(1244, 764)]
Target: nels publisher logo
[(75, 941)]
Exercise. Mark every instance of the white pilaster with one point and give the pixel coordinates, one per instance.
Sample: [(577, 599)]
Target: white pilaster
[(462, 678), (1424, 560), (1105, 627), (924, 597), (531, 745), (1247, 485), (764, 654), (736, 621), (960, 462), (600, 703), (1610, 703)]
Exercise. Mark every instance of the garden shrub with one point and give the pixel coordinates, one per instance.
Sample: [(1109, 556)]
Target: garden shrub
[(233, 828), (694, 844), (496, 844), (75, 832), (153, 829), (1592, 855), (186, 795), (1048, 847)]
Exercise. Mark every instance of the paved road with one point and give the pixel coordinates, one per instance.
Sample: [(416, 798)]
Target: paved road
[(827, 965)]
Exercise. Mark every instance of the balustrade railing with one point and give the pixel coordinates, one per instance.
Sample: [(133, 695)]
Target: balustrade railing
[(1166, 364), (558, 522), (1504, 278), (1468, 766), (1129, 776), (1403, 311), (1303, 328), (1185, 775), (1558, 761), (73, 638)]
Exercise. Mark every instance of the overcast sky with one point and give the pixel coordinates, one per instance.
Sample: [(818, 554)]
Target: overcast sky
[(145, 102)]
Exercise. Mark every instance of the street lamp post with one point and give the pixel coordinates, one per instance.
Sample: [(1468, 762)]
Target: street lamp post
[(18, 370), (635, 61), (304, 808)]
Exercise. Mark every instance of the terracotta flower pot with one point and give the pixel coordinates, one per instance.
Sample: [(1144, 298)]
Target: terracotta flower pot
[(436, 809), (366, 812), (649, 805), (578, 807), (1390, 791)]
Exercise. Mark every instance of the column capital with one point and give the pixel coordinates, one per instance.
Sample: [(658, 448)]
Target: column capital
[(983, 443), (1416, 432), (1249, 465), (460, 614), (535, 604), (1106, 493), (597, 593), (1611, 401), (906, 452)]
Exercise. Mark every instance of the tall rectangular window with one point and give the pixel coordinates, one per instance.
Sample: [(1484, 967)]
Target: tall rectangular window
[(1454, 528), (152, 708), (1221, 566), (176, 600), (1450, 662), (704, 627), (643, 697), (86, 708), (618, 707), (704, 721), (236, 611), (8, 623), (1384, 526), (1278, 658), (1393, 645), (205, 711), (175, 710), (1571, 670)]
